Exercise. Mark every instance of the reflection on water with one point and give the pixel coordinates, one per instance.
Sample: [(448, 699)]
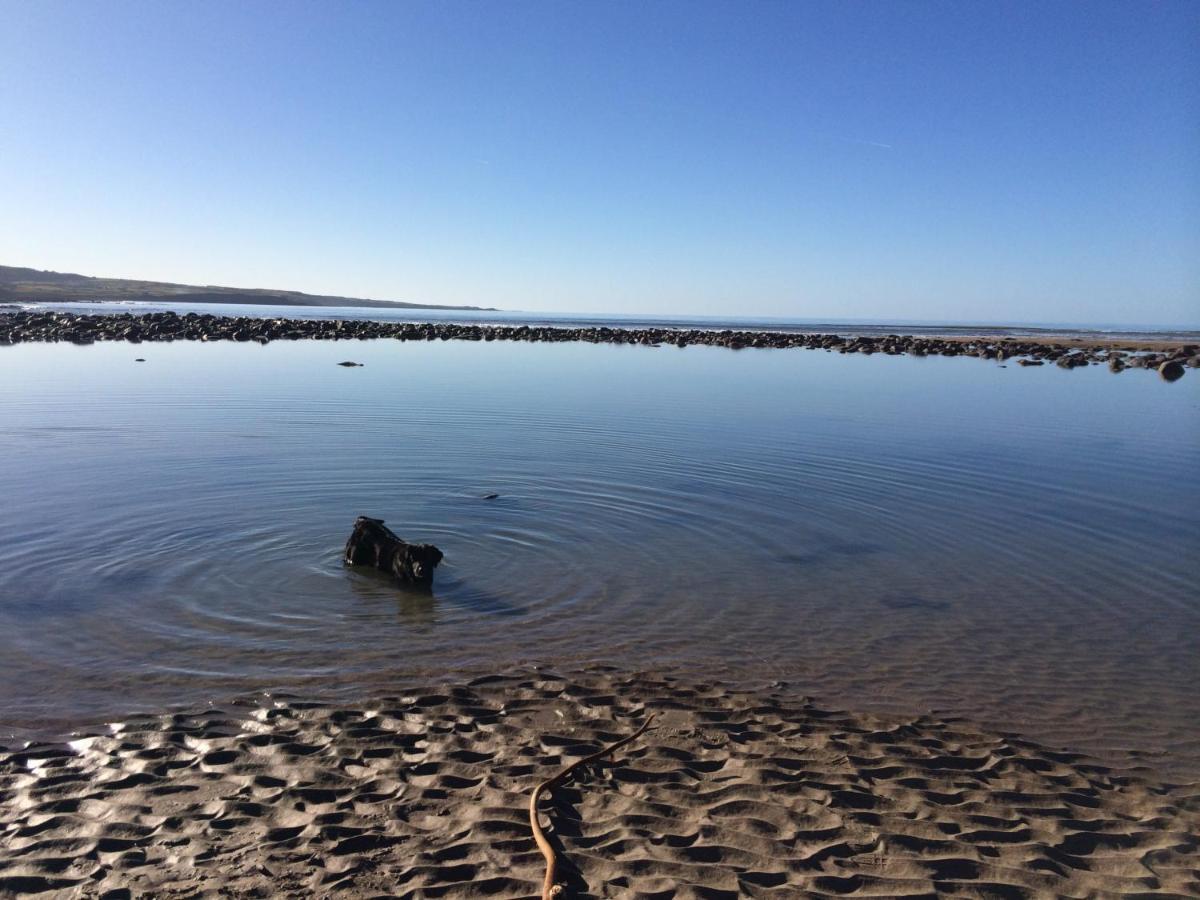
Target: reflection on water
[(1014, 545)]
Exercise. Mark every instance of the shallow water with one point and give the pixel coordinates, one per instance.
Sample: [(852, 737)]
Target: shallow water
[(1016, 546)]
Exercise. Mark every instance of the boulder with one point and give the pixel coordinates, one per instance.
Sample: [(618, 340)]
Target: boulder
[(374, 544)]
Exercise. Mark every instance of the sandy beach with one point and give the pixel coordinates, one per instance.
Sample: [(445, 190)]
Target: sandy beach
[(628, 450), (730, 793)]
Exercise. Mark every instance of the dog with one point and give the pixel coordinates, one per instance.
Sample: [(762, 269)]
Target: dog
[(373, 544)]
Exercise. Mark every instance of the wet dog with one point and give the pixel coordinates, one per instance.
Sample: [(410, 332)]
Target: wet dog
[(373, 544)]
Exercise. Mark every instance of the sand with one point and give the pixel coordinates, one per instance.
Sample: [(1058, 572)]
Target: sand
[(730, 793)]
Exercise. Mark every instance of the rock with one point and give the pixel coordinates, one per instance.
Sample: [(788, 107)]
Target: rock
[(1116, 364), (1171, 370), (373, 544), (139, 359), (25, 326)]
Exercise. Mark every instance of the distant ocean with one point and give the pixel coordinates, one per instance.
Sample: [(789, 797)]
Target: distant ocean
[(1124, 331)]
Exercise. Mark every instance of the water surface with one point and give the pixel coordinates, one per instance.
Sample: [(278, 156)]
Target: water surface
[(1017, 546)]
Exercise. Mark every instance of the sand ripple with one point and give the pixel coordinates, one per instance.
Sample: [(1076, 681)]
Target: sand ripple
[(731, 793)]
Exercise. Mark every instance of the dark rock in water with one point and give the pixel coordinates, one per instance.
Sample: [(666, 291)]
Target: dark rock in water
[(349, 364), (139, 359), (1029, 362), (1116, 364), (1171, 370), (373, 544)]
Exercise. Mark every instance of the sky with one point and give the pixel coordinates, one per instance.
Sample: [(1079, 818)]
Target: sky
[(966, 161)]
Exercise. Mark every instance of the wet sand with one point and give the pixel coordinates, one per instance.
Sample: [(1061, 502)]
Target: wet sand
[(730, 793)]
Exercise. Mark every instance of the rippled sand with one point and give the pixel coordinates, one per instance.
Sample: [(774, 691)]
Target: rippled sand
[(729, 794)]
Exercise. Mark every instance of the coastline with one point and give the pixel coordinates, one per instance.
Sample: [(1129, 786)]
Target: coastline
[(1169, 357), (20, 284), (731, 792)]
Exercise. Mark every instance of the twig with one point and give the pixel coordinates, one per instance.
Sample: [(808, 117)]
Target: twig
[(549, 888)]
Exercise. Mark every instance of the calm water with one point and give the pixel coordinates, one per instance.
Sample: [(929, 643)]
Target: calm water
[(1018, 546)]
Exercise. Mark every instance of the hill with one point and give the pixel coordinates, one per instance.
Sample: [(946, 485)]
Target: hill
[(22, 285)]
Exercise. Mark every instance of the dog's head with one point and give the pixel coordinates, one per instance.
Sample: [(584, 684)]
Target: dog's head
[(414, 563)]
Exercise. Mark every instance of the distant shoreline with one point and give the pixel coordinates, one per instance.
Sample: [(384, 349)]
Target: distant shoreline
[(269, 299), (23, 285)]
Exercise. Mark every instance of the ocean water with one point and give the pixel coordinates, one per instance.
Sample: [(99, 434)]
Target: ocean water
[(1018, 546)]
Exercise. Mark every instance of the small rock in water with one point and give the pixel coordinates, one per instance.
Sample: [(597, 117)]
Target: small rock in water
[(139, 359), (349, 364), (911, 601)]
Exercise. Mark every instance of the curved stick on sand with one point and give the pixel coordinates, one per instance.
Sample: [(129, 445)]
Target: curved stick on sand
[(549, 888)]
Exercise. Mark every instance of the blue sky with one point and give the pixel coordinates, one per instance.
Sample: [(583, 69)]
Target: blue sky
[(966, 161)]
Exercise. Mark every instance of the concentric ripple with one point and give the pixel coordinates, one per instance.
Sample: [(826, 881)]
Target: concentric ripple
[(1013, 545)]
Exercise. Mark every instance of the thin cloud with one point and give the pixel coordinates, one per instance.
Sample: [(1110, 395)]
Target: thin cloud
[(869, 143)]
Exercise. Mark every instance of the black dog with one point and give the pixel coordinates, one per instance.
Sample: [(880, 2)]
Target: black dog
[(373, 544)]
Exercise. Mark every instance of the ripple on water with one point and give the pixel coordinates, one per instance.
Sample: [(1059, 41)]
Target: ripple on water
[(906, 533)]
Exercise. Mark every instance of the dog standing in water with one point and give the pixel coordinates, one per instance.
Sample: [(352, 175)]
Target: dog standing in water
[(373, 544)]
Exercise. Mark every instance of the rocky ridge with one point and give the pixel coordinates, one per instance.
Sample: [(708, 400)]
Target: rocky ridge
[(1170, 360)]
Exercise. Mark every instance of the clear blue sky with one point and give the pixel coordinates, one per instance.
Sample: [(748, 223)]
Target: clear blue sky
[(971, 161)]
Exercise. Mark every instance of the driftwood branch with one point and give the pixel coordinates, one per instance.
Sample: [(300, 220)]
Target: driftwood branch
[(549, 888)]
